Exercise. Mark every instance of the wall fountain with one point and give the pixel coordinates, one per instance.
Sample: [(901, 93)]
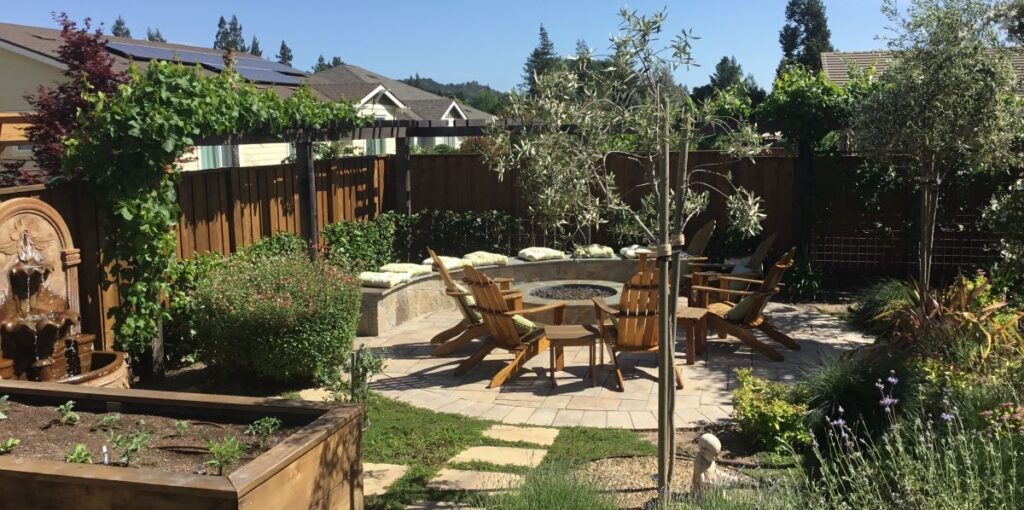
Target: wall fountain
[(40, 325)]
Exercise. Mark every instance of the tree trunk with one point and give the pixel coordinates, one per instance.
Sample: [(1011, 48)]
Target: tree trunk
[(929, 210), (666, 316)]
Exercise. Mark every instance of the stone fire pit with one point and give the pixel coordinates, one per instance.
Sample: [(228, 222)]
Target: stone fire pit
[(576, 293)]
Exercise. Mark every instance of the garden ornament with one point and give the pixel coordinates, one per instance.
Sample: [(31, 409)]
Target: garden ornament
[(705, 470)]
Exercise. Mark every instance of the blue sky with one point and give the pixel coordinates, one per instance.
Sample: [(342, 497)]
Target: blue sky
[(459, 40)]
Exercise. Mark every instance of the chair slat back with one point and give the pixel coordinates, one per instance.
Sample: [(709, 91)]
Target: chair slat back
[(638, 309), (699, 242), (769, 287), (757, 258), (492, 305), (449, 284)]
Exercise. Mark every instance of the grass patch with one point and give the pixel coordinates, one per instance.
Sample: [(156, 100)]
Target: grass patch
[(477, 465), (576, 445), (551, 487), (402, 434)]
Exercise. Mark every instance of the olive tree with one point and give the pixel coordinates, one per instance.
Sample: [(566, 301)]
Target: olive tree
[(580, 116), (946, 106)]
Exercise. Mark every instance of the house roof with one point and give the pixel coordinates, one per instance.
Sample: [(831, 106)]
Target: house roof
[(43, 44), (836, 64), (353, 83)]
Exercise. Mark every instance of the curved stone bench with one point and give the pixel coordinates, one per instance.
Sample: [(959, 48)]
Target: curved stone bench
[(383, 309)]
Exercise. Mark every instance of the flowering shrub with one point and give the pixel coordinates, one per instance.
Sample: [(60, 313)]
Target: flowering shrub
[(767, 413), (282, 319), (1006, 417)]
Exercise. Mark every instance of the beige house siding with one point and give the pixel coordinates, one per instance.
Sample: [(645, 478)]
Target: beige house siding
[(21, 75), (263, 154)]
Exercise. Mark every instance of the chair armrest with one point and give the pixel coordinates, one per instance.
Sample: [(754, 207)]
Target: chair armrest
[(504, 283), (740, 279), (715, 265), (726, 291), (539, 309), (603, 308)]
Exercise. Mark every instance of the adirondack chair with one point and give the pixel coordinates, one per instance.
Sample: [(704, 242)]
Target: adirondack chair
[(754, 262), (754, 267), (738, 319), (695, 253), (634, 326), (500, 319), (472, 324)]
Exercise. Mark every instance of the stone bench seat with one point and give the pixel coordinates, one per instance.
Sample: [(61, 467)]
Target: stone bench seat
[(383, 309)]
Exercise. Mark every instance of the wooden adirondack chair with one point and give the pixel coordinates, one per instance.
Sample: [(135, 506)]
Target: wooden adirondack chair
[(695, 251), (499, 317), (754, 262), (472, 324), (738, 319), (634, 326)]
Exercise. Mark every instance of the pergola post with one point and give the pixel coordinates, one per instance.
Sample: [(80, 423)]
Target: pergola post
[(307, 198)]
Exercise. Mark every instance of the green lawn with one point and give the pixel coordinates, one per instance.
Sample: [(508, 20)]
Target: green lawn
[(424, 440)]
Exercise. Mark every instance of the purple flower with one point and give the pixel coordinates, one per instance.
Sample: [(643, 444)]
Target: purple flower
[(840, 409), (946, 417), (887, 402), (892, 378), (879, 385), (838, 422)]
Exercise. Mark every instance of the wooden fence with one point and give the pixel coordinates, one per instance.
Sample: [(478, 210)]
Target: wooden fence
[(222, 210), (226, 209)]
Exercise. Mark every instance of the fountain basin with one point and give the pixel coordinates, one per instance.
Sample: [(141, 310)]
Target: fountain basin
[(577, 311), (95, 368)]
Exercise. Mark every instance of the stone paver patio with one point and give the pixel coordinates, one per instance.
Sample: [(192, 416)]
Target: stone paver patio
[(413, 376)]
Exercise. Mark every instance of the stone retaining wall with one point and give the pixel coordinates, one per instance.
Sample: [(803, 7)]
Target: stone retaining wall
[(383, 309)]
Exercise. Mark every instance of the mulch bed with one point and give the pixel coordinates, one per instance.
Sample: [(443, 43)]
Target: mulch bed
[(43, 437)]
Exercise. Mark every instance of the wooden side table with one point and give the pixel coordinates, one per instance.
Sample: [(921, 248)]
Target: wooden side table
[(695, 320), (570, 336)]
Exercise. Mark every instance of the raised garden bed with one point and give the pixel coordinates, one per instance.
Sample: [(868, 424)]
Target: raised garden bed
[(312, 461)]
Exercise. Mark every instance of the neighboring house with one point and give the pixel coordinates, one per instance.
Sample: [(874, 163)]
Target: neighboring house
[(836, 64), (387, 99), (29, 59)]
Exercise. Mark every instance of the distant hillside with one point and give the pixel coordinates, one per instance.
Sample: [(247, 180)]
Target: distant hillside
[(473, 93)]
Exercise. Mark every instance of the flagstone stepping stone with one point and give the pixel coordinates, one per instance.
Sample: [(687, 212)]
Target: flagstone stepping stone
[(466, 480), (502, 456), (315, 395), (536, 435), (378, 477)]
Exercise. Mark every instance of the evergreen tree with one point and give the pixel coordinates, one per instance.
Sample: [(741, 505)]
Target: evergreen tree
[(120, 28), (728, 72), (254, 48), (541, 59), (155, 35), (229, 36), (805, 36), (221, 40), (284, 55), (320, 65), (336, 61)]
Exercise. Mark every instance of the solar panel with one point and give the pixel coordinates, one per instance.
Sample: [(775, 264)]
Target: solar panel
[(141, 52), (251, 68), (267, 76)]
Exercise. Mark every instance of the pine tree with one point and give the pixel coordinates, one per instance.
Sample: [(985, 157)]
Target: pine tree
[(235, 38), (120, 28), (336, 61), (728, 72), (541, 59), (155, 35), (284, 55), (220, 41), (805, 36), (254, 48), (320, 65)]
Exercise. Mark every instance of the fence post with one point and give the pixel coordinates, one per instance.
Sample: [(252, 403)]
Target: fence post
[(403, 184), (307, 195)]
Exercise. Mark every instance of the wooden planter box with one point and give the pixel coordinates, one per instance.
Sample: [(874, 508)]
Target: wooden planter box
[(319, 466)]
